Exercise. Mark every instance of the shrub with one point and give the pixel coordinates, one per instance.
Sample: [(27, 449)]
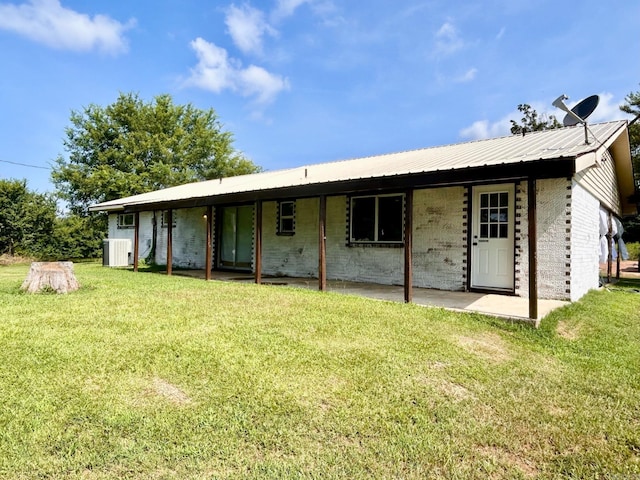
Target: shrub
[(634, 250)]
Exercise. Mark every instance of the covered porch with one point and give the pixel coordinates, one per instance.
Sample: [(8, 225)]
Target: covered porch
[(491, 301)]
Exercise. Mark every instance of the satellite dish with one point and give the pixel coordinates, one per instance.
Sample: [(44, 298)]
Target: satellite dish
[(582, 110)]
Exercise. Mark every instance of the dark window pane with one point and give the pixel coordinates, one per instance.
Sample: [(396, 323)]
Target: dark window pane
[(363, 222), (125, 220), (504, 215), (493, 216), (493, 233), (504, 199), (484, 200), (286, 209), (390, 219), (504, 231), (493, 200), (286, 225), (484, 231), (484, 215)]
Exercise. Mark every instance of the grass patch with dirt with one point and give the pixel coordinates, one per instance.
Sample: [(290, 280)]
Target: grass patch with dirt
[(147, 376)]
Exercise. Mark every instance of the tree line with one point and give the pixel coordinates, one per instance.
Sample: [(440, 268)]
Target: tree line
[(132, 147), (126, 148)]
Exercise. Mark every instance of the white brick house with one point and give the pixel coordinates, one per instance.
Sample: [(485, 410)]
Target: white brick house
[(514, 215)]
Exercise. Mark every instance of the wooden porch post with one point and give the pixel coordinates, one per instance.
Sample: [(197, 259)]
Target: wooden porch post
[(322, 244), (136, 240), (533, 250), (408, 246), (169, 241), (617, 249), (609, 249), (207, 266), (258, 272)]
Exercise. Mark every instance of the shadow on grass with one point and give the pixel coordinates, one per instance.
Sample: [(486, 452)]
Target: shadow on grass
[(630, 284)]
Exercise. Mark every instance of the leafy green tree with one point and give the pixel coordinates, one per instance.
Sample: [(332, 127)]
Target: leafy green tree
[(132, 147), (77, 237), (532, 122), (632, 107), (27, 219)]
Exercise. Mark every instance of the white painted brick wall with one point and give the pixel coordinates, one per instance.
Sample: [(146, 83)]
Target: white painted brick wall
[(295, 255), (145, 234), (567, 251), (188, 238), (554, 246), (359, 264), (585, 240), (439, 243)]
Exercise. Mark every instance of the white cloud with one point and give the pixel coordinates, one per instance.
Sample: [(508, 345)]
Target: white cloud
[(286, 8), (482, 129), (500, 33), (48, 22), (216, 72), (447, 40), (257, 81), (247, 27), (467, 76)]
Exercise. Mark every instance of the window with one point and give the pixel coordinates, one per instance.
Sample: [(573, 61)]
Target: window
[(286, 218), (494, 215), (126, 220), (164, 219), (377, 219)]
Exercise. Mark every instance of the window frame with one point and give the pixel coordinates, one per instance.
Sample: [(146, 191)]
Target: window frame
[(163, 219), (494, 216), (280, 217), (126, 224), (376, 241)]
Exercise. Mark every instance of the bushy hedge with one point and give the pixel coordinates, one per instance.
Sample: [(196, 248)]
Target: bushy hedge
[(634, 250)]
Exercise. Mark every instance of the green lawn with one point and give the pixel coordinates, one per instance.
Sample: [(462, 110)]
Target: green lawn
[(147, 376)]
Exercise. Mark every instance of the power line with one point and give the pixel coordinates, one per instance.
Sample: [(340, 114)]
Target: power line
[(25, 165)]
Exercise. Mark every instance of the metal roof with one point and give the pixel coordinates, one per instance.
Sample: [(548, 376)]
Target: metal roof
[(562, 143)]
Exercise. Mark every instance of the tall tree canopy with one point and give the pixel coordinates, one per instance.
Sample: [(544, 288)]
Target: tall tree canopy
[(27, 219), (132, 147), (531, 122), (632, 106)]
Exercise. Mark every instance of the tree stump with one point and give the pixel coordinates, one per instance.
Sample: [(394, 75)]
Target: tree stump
[(52, 276)]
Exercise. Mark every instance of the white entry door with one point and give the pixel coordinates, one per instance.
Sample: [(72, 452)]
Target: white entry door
[(492, 240)]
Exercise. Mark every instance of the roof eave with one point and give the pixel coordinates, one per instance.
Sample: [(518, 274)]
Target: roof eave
[(500, 173)]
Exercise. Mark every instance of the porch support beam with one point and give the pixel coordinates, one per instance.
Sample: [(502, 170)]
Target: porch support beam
[(408, 246), (169, 241), (618, 265), (208, 254), (136, 240), (322, 244), (609, 247), (258, 245), (533, 249)]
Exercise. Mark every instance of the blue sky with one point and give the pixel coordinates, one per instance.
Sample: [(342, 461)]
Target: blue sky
[(307, 81)]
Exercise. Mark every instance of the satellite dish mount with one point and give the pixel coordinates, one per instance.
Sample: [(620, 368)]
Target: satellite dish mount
[(579, 113)]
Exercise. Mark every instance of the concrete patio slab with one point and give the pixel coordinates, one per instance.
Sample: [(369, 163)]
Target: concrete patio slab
[(504, 306)]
